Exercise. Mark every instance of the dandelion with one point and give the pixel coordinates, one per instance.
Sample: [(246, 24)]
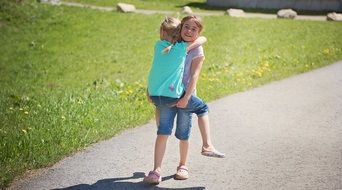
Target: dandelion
[(26, 112), (259, 73), (11, 108), (265, 66), (326, 51), (21, 109), (140, 85)]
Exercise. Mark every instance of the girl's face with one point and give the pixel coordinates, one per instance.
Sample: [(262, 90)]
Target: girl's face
[(190, 31)]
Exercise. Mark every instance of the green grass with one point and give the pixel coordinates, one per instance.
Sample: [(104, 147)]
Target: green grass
[(146, 4), (70, 77), (198, 6)]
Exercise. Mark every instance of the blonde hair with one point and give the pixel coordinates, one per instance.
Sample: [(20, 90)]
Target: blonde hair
[(171, 26)]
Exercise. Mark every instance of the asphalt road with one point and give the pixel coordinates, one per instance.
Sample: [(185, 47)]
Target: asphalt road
[(284, 135)]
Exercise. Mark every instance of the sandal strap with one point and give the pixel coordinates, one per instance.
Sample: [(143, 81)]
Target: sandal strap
[(182, 168), (154, 173)]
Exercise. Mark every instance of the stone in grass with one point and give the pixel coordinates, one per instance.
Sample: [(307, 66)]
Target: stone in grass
[(125, 8), (287, 14), (236, 13), (187, 10), (334, 17), (53, 2)]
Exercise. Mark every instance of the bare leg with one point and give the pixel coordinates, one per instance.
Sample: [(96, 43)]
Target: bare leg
[(154, 177), (183, 152), (203, 123), (182, 170), (208, 148), (159, 151)]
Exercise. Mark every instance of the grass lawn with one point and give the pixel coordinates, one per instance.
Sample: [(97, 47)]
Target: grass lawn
[(70, 77), (177, 5), (148, 4)]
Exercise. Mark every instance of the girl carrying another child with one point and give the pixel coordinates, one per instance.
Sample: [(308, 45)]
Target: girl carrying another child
[(191, 28), (165, 88)]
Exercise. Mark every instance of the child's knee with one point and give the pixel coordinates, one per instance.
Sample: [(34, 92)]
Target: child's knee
[(182, 137), (183, 134)]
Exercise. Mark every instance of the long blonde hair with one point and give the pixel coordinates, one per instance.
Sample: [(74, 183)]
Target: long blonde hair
[(172, 27)]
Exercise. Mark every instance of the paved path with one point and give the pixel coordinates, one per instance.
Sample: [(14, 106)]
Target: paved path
[(217, 13), (284, 135)]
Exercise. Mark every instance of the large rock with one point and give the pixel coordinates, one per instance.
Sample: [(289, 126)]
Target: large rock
[(309, 5), (236, 13), (287, 14), (334, 17), (53, 2), (125, 8), (187, 10)]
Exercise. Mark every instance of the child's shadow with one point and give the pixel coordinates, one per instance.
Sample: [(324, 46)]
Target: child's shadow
[(118, 184)]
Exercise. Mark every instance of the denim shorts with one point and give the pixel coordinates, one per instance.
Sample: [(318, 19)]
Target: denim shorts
[(168, 111), (195, 105)]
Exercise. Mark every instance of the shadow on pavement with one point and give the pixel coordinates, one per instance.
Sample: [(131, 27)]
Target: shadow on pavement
[(118, 183)]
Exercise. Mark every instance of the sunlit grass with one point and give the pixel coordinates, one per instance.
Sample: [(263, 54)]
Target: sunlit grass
[(70, 77), (145, 4)]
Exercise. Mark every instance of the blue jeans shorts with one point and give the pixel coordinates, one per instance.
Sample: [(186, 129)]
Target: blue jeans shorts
[(196, 106), (168, 111)]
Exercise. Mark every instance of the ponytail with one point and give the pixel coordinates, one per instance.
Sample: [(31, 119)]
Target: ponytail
[(167, 49), (172, 27)]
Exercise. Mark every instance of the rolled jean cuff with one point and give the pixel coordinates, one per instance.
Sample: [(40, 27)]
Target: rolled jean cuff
[(159, 132), (182, 138), (202, 114)]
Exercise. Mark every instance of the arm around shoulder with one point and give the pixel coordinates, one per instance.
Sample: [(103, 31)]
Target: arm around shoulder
[(198, 42)]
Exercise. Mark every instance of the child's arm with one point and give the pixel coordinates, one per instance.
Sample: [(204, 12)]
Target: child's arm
[(195, 70), (198, 42)]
